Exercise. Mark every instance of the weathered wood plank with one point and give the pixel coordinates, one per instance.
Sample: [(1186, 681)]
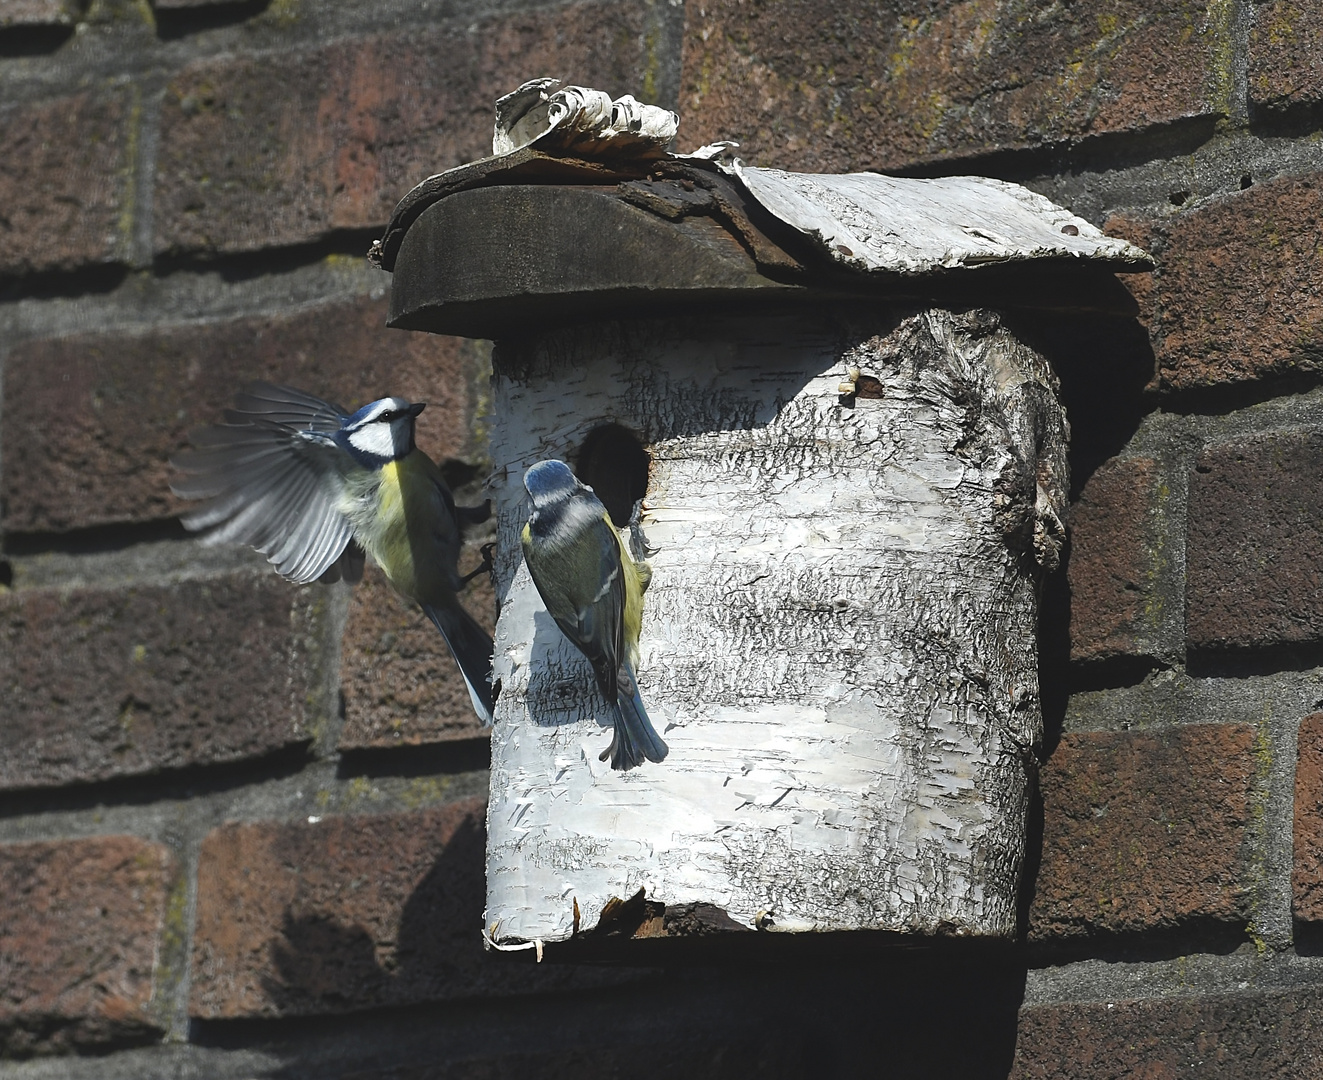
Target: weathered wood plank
[(492, 261)]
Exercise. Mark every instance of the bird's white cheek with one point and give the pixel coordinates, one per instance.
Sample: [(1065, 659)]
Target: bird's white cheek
[(374, 439)]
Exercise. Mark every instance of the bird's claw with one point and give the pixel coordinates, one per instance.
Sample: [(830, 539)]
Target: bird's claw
[(485, 567), (639, 547)]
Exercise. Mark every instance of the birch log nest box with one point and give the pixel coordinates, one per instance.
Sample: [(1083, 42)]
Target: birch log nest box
[(853, 476)]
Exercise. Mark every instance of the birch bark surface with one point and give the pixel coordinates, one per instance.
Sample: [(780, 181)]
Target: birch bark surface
[(838, 640)]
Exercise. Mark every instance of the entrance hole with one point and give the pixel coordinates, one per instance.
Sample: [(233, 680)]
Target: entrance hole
[(613, 462)]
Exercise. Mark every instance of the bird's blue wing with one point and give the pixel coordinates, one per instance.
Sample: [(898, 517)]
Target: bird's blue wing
[(272, 480), (596, 625)]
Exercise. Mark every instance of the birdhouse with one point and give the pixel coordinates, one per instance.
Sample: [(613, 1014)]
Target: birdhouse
[(818, 401)]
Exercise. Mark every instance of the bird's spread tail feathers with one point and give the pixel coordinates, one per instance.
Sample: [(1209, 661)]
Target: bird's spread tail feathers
[(635, 738), (472, 649)]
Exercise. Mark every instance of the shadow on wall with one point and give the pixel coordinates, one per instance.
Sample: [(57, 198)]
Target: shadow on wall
[(321, 964), (906, 1013), (1105, 364), (1107, 368)]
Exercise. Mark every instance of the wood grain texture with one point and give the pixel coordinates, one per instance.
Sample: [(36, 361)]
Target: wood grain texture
[(839, 638), (558, 253)]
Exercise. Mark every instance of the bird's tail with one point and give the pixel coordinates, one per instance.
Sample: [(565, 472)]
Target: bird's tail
[(472, 650), (635, 738)]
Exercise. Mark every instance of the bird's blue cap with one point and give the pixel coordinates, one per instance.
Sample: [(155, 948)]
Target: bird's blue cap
[(547, 479), (375, 409)]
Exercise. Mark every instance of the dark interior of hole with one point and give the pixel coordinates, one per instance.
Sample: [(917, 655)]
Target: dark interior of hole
[(868, 387), (614, 464)]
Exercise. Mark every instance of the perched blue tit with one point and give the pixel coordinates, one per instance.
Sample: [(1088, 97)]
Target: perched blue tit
[(594, 591), (313, 487)]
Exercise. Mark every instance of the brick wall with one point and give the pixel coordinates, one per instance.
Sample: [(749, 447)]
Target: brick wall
[(241, 824)]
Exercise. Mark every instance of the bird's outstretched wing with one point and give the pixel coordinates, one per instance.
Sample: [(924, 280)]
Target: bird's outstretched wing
[(287, 406), (272, 479)]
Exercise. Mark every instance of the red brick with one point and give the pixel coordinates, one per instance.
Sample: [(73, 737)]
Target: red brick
[(154, 677), (126, 401), (1240, 287), (1246, 1036), (401, 687), (65, 183), (1307, 870), (1254, 547), (1139, 231), (1285, 68), (1143, 831), (348, 913), (283, 149), (37, 13), (80, 925), (1117, 559), (866, 85)]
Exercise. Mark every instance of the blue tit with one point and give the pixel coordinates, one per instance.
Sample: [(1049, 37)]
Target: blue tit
[(314, 487), (594, 591)]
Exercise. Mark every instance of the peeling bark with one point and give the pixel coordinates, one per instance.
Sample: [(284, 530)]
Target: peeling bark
[(839, 637), (897, 224)]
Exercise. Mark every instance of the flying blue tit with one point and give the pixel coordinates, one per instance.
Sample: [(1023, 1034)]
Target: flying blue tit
[(594, 591), (314, 487)]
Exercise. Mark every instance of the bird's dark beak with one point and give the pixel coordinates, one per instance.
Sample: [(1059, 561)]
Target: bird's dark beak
[(417, 407)]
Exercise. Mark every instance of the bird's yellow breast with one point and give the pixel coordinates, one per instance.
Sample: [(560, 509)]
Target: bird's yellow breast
[(390, 495), (400, 519), (633, 613)]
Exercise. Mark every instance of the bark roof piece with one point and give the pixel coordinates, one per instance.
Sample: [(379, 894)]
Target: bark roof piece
[(865, 222), (898, 225)]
